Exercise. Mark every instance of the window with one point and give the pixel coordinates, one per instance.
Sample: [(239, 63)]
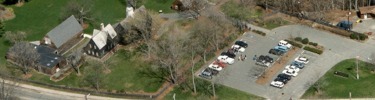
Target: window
[(97, 54), (89, 51), (90, 46)]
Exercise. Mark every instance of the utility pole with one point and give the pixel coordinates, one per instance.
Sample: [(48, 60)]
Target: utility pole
[(357, 67), (350, 5)]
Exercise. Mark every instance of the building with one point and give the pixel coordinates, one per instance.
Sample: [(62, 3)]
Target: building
[(48, 62), (64, 36), (102, 41), (367, 12)]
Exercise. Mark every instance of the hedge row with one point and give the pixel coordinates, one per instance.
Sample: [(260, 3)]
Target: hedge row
[(294, 43), (313, 50), (335, 30), (259, 32), (358, 36)]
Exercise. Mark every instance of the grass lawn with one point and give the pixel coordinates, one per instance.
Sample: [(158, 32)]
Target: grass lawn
[(123, 77), (273, 23), (222, 92), (339, 87), (157, 5)]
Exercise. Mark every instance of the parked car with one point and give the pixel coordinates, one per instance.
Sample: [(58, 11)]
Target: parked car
[(289, 67), (281, 48), (225, 59), (266, 58), (285, 81), (241, 43), (229, 54), (276, 52), (263, 63), (288, 77), (238, 48), (206, 73), (301, 59), (284, 43), (299, 65), (216, 65), (290, 72), (277, 84)]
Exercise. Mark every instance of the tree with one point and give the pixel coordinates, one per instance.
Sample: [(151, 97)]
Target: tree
[(24, 54), (94, 75), (7, 90), (81, 9), (14, 37), (75, 59), (193, 7)]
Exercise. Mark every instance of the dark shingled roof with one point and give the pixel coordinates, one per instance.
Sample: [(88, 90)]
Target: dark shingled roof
[(48, 58), (65, 31)]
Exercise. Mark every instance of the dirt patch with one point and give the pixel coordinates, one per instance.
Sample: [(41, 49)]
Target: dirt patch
[(276, 67), (6, 13)]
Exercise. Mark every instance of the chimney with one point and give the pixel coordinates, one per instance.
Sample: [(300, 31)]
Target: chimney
[(102, 26)]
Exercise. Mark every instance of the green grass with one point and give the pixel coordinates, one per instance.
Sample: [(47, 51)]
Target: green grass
[(157, 5), (239, 11), (273, 23), (222, 93), (124, 75), (339, 87)]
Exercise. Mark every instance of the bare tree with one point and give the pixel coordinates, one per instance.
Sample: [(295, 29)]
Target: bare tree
[(24, 54), (81, 9), (75, 59), (13, 37), (193, 7), (7, 90), (95, 76)]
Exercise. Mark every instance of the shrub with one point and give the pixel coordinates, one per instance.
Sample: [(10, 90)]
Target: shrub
[(305, 41), (259, 32), (298, 39), (294, 43), (335, 30), (359, 36), (313, 43), (314, 50)]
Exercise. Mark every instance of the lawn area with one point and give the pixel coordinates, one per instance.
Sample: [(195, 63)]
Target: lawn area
[(273, 23), (222, 92), (157, 5), (339, 87), (124, 75)]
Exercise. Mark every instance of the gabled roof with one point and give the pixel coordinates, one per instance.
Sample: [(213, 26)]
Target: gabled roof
[(109, 29), (65, 31), (367, 9), (100, 39)]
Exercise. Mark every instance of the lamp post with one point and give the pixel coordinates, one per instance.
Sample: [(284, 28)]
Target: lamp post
[(357, 67), (349, 13)]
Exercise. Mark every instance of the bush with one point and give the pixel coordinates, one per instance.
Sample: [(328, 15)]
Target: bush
[(294, 43), (314, 50), (359, 36), (298, 39), (259, 32), (335, 30), (305, 41), (313, 43)]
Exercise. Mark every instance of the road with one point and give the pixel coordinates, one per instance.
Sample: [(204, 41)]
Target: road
[(29, 92), (337, 48)]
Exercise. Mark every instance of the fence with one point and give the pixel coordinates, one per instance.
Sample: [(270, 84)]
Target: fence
[(86, 91)]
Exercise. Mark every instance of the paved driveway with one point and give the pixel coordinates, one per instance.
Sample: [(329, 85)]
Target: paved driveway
[(338, 48)]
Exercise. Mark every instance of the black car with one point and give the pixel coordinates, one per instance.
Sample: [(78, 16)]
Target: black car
[(276, 52), (284, 76), (208, 73), (241, 43), (268, 59), (229, 54), (284, 80)]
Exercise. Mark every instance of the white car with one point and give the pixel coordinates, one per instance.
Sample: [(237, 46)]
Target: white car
[(289, 67), (225, 59), (215, 66), (277, 84), (302, 60), (290, 72), (239, 48), (285, 43)]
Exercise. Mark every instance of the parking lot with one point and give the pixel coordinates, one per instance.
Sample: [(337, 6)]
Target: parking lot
[(241, 74)]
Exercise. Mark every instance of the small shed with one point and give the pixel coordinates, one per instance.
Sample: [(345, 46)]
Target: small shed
[(367, 12), (346, 25)]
